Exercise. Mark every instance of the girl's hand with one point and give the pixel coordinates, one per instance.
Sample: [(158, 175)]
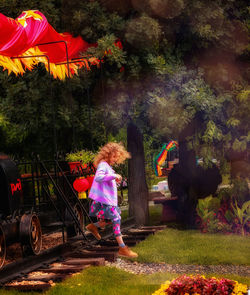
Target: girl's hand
[(118, 178)]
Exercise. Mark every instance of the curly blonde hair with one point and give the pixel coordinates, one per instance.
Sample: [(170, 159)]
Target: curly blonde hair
[(110, 149)]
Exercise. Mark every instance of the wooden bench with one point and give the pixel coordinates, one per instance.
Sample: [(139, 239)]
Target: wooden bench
[(169, 208)]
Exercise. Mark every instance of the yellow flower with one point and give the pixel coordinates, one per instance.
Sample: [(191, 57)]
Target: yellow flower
[(239, 289), (162, 289)]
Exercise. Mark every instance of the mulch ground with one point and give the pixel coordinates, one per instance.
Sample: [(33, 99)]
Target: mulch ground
[(14, 251)]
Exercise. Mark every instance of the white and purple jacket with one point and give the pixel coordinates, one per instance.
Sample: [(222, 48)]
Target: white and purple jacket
[(104, 189)]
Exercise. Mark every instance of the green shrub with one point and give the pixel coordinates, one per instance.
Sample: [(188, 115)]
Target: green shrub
[(207, 209), (242, 214)]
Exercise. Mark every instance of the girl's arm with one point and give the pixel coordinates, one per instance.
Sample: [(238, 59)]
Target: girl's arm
[(101, 174)]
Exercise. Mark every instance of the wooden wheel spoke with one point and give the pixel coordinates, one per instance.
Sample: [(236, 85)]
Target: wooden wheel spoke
[(2, 248), (31, 234)]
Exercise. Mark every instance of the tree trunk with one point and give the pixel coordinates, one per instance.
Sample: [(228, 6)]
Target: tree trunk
[(137, 186)]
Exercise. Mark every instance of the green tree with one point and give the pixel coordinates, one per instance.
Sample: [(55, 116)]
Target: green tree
[(162, 40)]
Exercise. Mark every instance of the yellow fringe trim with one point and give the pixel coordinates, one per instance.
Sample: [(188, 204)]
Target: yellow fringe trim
[(20, 65)]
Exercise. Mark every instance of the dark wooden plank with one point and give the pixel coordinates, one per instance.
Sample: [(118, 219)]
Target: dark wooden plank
[(64, 269), (49, 277), (85, 261), (104, 249), (142, 232), (110, 256), (156, 227), (128, 242), (29, 287)]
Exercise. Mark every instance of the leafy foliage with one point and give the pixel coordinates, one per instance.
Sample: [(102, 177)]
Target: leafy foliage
[(138, 37), (243, 214), (91, 20), (223, 214), (182, 62), (83, 156), (13, 8)]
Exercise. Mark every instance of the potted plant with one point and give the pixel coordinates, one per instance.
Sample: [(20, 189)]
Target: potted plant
[(80, 160)]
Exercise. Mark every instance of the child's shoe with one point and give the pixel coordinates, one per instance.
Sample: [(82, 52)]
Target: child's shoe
[(126, 252), (94, 230)]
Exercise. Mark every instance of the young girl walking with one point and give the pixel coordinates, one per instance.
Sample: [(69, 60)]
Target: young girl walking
[(103, 192)]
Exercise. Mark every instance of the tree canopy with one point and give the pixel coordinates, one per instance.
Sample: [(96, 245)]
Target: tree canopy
[(181, 61)]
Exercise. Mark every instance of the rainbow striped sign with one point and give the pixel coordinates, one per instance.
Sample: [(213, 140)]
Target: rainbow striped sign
[(161, 157)]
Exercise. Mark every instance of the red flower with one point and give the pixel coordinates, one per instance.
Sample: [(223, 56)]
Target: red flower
[(118, 44), (201, 285)]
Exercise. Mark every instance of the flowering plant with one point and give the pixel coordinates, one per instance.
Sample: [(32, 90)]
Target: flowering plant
[(223, 216), (83, 156), (81, 162), (199, 285)]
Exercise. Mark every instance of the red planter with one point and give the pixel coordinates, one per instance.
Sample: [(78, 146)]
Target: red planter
[(74, 166)]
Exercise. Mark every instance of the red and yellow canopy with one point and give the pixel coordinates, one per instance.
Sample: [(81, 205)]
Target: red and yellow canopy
[(30, 35)]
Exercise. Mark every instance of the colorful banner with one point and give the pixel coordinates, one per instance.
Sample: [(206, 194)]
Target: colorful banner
[(25, 35), (161, 157)]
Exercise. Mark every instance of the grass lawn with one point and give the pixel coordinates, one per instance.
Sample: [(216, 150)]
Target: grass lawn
[(112, 281), (116, 282), (103, 281), (176, 246)]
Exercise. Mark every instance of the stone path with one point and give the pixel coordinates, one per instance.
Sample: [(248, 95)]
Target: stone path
[(150, 268)]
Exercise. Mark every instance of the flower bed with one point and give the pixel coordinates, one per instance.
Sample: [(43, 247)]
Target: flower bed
[(199, 285), (225, 213)]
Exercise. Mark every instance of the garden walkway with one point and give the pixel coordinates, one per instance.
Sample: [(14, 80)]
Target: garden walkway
[(150, 268)]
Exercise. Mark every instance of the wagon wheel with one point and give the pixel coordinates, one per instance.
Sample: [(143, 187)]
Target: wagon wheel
[(73, 229), (2, 247), (30, 234)]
